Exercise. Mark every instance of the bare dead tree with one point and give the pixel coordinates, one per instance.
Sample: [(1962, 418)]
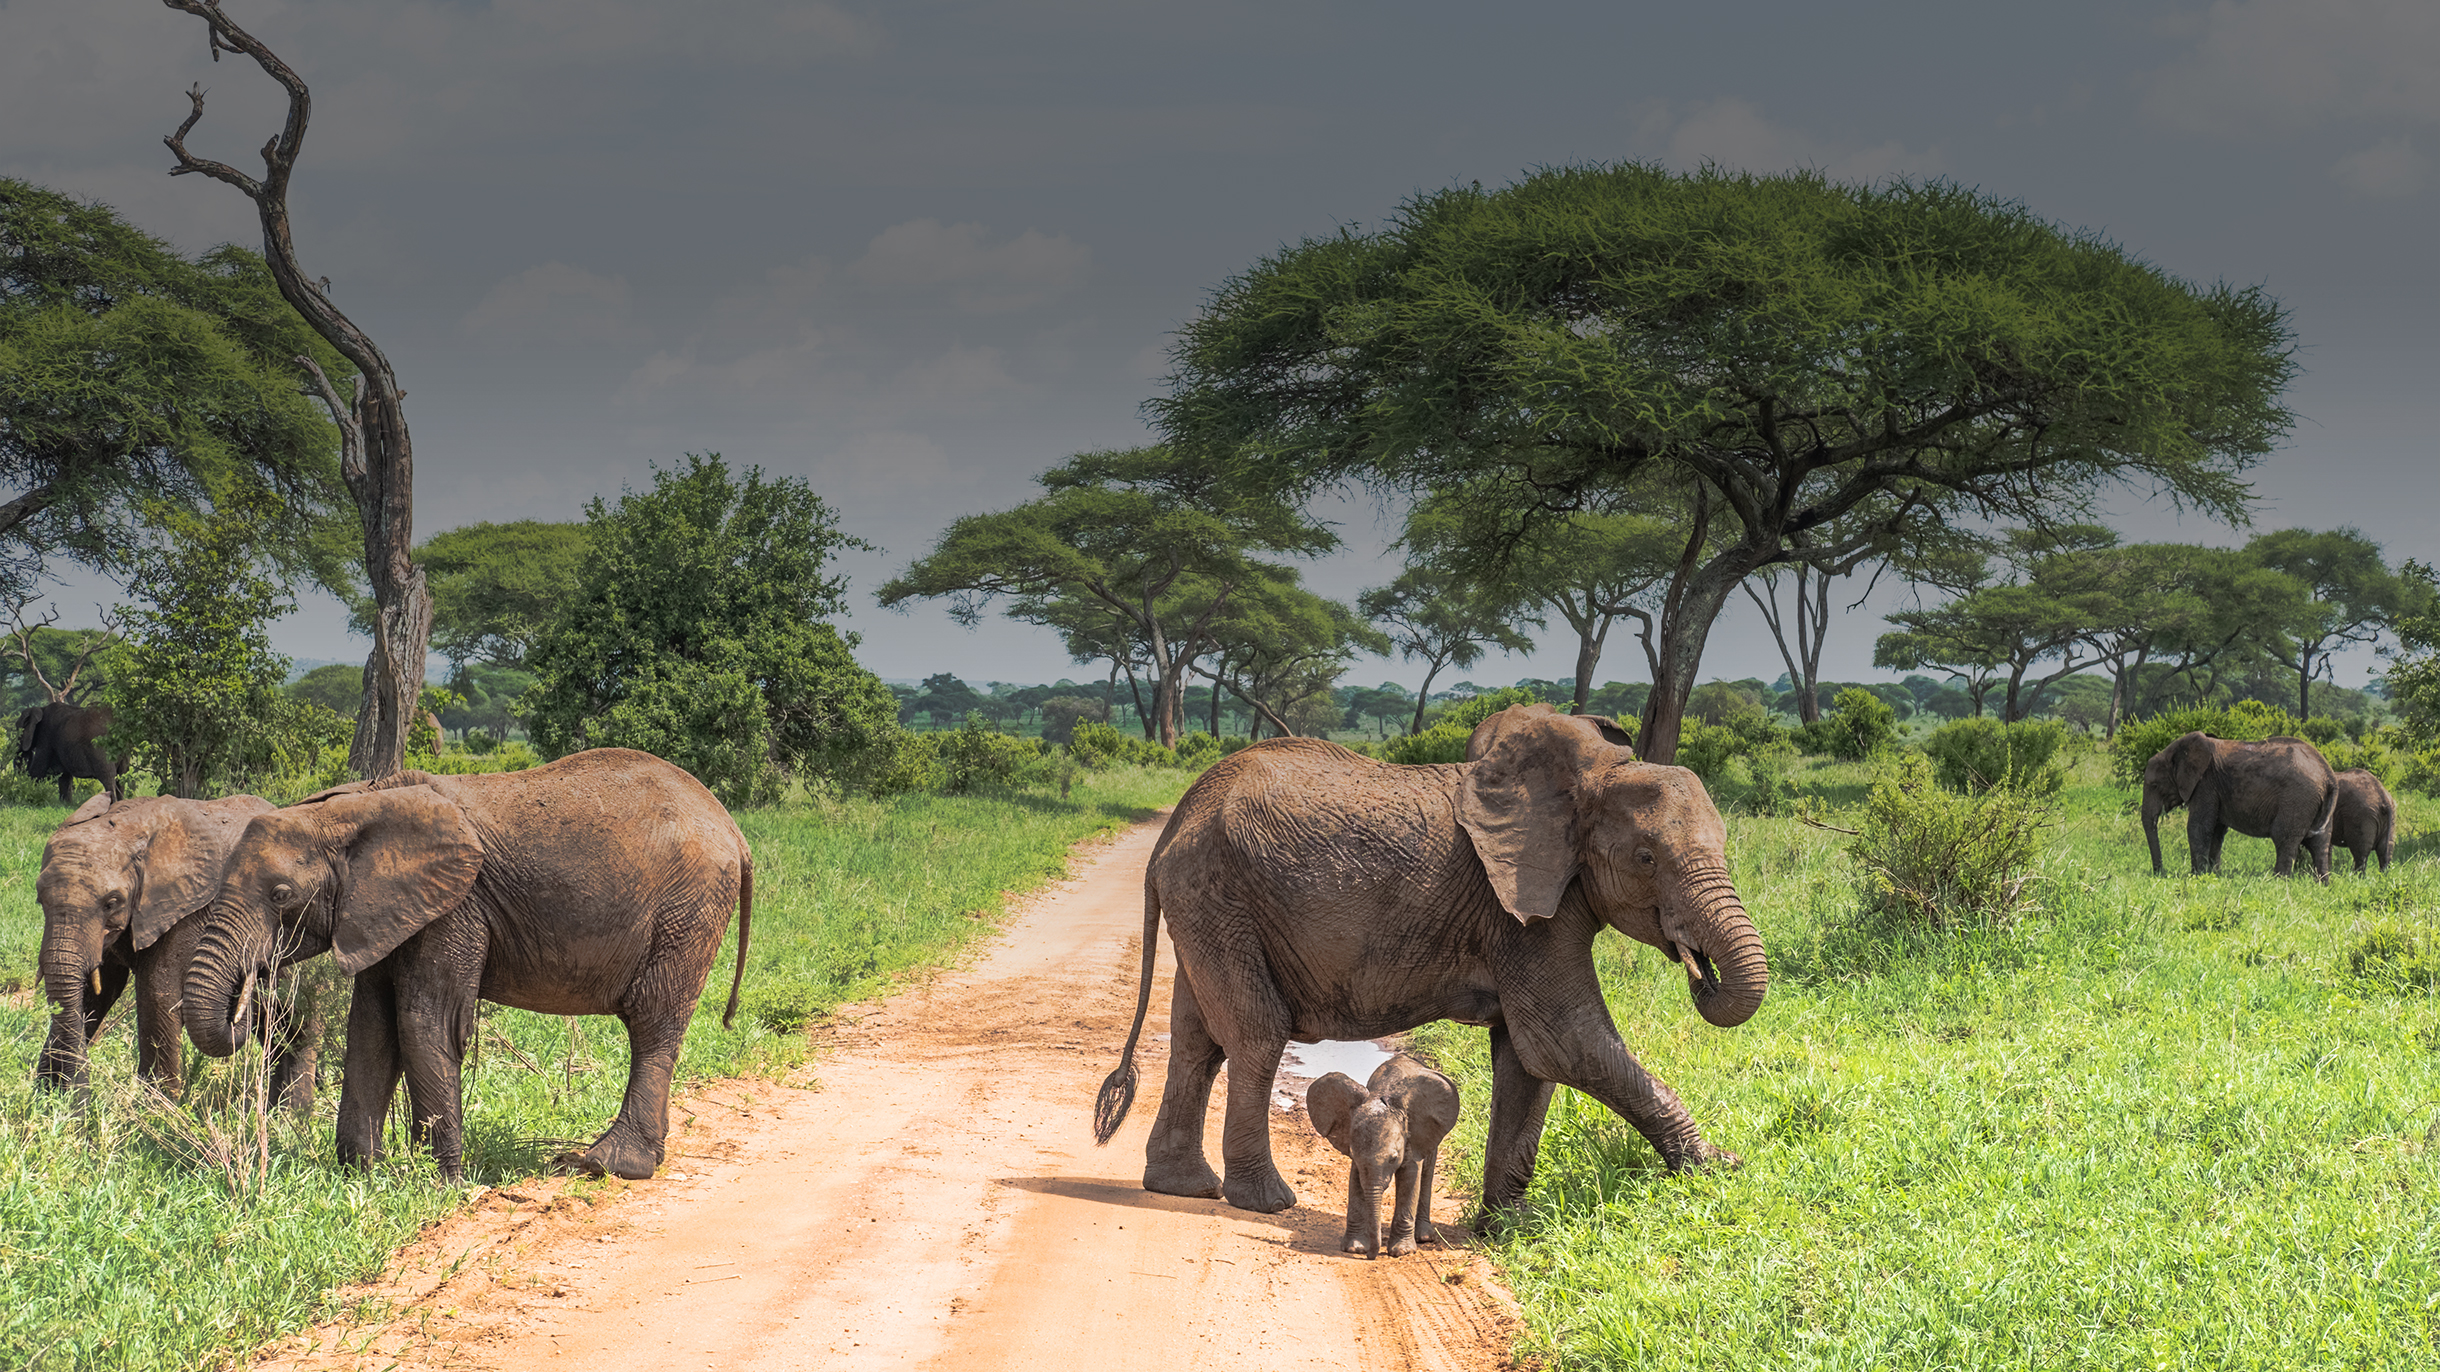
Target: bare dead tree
[(374, 453), (23, 634)]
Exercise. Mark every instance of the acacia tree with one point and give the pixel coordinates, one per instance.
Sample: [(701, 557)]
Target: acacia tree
[(1280, 647), (1790, 352), (375, 457), (1441, 620), (1128, 532), (2351, 597), (138, 386)]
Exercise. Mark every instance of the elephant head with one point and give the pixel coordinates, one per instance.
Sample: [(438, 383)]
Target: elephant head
[(133, 869), (355, 873), (2169, 780), (1552, 800)]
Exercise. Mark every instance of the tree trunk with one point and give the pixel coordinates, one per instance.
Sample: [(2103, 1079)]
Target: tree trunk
[(1423, 697), (1685, 626), (1589, 638)]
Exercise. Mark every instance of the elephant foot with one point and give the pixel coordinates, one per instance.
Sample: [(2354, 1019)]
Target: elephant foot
[(1196, 1179), (1399, 1248), (1705, 1158), (1266, 1193), (628, 1159)]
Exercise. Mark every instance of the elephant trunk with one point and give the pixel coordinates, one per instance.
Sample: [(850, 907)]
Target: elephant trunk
[(69, 965), (2153, 806), (1727, 972), (219, 984)]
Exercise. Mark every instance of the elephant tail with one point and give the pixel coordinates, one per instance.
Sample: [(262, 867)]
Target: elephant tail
[(745, 933), (1118, 1089), (2329, 814)]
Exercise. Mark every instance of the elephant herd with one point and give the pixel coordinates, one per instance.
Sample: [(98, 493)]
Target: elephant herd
[(2281, 789), (1311, 893), (600, 884)]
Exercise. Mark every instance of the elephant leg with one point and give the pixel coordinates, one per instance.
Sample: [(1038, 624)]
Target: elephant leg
[(372, 1066), (295, 1045), (1402, 1212), (160, 1037), (634, 1144), (1174, 1164), (434, 1023), (1424, 1232), (1363, 1233), (2283, 854), (67, 785), (1519, 1101), (1249, 1179)]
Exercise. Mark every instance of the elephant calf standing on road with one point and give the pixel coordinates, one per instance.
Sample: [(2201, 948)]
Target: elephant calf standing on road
[(2280, 789), (2367, 820), (1391, 1126), (122, 890), (597, 885), (1315, 894)]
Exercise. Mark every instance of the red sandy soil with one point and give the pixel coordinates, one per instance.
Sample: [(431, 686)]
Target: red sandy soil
[(935, 1201)]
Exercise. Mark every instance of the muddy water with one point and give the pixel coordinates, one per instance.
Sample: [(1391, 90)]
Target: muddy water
[(1304, 1063)]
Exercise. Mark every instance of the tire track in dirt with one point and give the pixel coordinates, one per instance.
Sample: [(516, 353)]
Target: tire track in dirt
[(935, 1202)]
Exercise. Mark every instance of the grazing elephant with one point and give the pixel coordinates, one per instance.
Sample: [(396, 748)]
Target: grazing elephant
[(1316, 894), (2367, 820), (2280, 789), (599, 884), (1391, 1126), (58, 741), (122, 891)]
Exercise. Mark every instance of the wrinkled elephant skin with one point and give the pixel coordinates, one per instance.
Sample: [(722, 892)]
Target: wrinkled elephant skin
[(1315, 894), (600, 884), (2280, 789), (2366, 824)]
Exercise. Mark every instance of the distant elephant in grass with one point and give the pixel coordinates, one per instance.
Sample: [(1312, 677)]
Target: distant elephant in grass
[(58, 740), (2367, 820), (2280, 789), (122, 889), (599, 884), (1315, 894), (1391, 1126)]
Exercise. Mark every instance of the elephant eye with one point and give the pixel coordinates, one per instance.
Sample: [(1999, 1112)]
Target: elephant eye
[(113, 901), (283, 893), (1644, 856)]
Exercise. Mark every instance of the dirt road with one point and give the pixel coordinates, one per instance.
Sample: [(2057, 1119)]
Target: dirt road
[(936, 1202)]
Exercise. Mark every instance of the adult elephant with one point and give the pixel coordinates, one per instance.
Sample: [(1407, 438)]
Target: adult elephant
[(2366, 824), (2280, 789), (600, 884), (59, 740), (122, 890), (1315, 894)]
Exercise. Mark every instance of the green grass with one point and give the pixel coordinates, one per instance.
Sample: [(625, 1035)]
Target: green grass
[(2163, 1123), (123, 1244)]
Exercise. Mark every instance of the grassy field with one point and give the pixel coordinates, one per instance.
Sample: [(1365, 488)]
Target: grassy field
[(131, 1237), (2161, 1123)]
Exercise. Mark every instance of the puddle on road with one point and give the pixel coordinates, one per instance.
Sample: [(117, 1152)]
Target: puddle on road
[(1304, 1062)]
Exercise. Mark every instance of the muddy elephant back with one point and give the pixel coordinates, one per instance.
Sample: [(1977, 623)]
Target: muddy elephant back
[(1306, 814)]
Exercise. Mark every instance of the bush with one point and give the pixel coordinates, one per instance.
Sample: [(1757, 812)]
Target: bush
[(893, 761), (1934, 859), (977, 755), (1977, 754), (2375, 755), (1859, 725), (1199, 750), (2249, 721), (1099, 745), (1445, 741), (1061, 714)]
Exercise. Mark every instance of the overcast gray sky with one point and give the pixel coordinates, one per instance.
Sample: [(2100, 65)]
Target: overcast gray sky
[(916, 253)]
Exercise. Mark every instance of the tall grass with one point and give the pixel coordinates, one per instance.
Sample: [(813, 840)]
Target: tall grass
[(2155, 1123), (142, 1235)]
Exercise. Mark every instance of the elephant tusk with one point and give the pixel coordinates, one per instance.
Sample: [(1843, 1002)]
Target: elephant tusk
[(1694, 972), (97, 979), (237, 1017)]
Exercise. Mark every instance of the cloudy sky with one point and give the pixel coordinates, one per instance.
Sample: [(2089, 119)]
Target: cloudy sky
[(915, 253)]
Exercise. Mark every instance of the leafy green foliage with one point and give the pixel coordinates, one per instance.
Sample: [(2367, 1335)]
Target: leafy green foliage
[(2250, 721), (196, 689), (1974, 755), (1061, 715), (1858, 725), (1098, 746), (696, 633), (495, 588), (1445, 741), (137, 386), (976, 755), (1931, 858)]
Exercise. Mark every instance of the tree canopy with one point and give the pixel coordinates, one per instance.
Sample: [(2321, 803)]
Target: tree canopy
[(698, 631), (494, 588), (1781, 354), (138, 387)]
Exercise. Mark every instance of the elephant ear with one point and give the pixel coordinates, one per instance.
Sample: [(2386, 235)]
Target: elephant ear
[(411, 857), (1331, 1102), (1610, 731), (2191, 763), (1518, 804), (182, 863), (91, 809)]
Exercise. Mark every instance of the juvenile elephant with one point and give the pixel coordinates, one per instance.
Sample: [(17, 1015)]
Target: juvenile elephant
[(59, 740), (1391, 1126), (1315, 894), (122, 889), (2280, 789), (2367, 819), (599, 884)]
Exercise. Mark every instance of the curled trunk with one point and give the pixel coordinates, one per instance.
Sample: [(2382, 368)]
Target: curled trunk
[(215, 982), (1728, 952)]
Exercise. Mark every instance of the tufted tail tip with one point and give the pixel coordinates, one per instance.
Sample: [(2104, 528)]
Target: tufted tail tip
[(1116, 1098)]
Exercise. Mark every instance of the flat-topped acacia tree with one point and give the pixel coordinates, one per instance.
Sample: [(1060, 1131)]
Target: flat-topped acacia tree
[(375, 457), (1799, 370)]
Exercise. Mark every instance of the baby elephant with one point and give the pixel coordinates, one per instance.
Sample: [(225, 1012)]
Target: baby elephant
[(1391, 1125), (2367, 820)]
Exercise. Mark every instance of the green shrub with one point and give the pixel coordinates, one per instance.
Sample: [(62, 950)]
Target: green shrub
[(1932, 858), (2247, 720), (1978, 754), (1199, 750), (2321, 731), (2374, 754), (975, 755), (1445, 741), (2395, 959), (1774, 788), (1098, 745), (894, 761), (1859, 725), (1704, 749)]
